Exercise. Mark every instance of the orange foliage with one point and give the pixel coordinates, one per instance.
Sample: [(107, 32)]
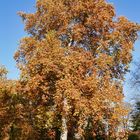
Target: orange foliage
[(78, 52)]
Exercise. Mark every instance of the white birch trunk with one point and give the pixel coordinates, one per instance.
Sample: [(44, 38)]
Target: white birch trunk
[(64, 124)]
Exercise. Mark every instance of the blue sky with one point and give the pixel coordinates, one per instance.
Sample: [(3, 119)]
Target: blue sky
[(12, 30)]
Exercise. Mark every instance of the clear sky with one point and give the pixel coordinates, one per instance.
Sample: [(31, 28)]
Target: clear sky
[(12, 29)]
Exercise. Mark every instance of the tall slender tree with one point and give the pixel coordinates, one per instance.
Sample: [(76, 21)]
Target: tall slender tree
[(72, 67), (136, 117)]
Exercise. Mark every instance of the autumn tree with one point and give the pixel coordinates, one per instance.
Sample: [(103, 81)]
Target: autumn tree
[(9, 107), (72, 67), (5, 89), (13, 120)]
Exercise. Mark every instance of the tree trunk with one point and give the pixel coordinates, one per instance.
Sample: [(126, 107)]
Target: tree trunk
[(64, 132), (64, 128)]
